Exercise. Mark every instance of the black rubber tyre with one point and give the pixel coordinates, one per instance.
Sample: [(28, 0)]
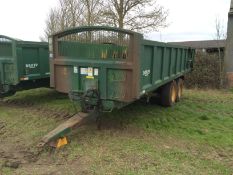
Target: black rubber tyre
[(169, 94), (180, 87)]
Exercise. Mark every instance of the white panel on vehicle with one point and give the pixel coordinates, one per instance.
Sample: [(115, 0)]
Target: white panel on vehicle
[(90, 71), (75, 69), (83, 71), (96, 72)]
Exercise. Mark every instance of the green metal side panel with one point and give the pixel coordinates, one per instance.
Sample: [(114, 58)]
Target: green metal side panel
[(44, 61), (75, 78), (161, 63), (116, 81), (33, 60), (7, 63), (166, 63), (5, 49), (9, 73), (157, 68), (146, 67)]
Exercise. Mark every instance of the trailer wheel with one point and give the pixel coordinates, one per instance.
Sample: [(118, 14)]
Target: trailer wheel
[(180, 87), (169, 94)]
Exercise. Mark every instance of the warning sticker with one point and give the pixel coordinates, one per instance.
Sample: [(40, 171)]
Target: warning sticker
[(90, 71), (75, 69), (83, 71), (96, 72)]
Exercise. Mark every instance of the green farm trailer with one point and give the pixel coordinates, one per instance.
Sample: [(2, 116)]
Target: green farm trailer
[(110, 67), (105, 68), (23, 65)]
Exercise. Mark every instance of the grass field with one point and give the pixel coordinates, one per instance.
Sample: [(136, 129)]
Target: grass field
[(193, 137)]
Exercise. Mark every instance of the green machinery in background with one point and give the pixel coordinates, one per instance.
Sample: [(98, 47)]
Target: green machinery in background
[(23, 65)]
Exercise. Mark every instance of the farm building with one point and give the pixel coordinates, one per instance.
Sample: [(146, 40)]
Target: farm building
[(209, 46)]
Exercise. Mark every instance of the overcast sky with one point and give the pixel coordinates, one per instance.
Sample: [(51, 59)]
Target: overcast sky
[(188, 19)]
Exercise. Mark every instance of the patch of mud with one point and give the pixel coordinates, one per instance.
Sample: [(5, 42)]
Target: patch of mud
[(62, 114), (53, 113), (19, 103), (14, 157)]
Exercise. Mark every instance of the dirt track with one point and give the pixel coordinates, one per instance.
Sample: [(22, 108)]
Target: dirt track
[(14, 156)]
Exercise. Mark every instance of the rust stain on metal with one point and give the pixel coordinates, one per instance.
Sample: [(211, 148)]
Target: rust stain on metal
[(229, 77), (62, 79)]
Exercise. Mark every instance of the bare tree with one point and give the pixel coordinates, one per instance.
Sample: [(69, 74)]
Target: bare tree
[(52, 24), (137, 15), (219, 29), (92, 12), (68, 14), (72, 13)]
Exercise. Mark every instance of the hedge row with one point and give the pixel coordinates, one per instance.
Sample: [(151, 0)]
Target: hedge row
[(206, 72)]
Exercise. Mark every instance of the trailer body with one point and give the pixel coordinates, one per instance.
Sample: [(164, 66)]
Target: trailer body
[(119, 65), (23, 65)]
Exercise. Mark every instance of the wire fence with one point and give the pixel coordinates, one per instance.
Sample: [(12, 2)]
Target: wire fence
[(99, 37)]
